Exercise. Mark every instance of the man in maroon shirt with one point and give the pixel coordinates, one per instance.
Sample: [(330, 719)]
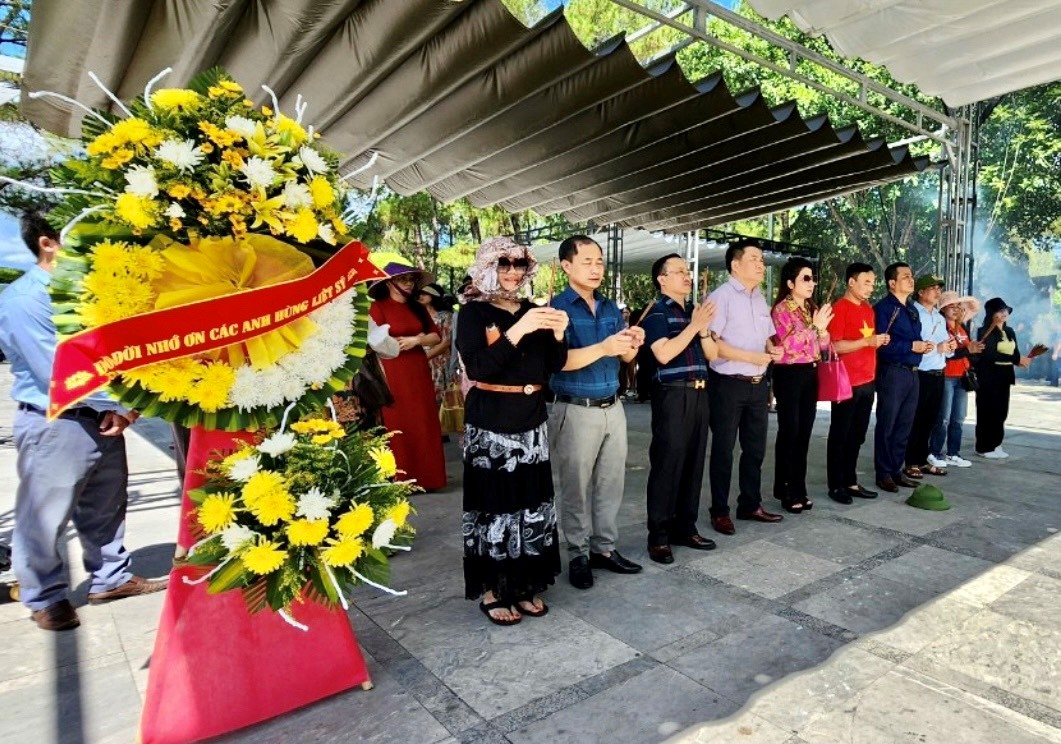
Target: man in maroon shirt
[(853, 332)]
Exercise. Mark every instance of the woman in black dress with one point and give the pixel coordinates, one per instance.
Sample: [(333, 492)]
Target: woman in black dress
[(994, 368), (509, 347)]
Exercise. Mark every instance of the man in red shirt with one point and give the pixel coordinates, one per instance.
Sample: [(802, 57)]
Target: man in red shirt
[(853, 333)]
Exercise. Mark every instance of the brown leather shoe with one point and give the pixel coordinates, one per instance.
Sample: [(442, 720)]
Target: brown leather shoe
[(761, 515), (887, 484), (723, 525), (696, 542), (661, 553), (902, 480), (59, 616), (133, 587)]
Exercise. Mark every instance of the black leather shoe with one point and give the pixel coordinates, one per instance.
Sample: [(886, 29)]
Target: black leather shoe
[(661, 553), (887, 484), (696, 542), (579, 573), (841, 495), (862, 493), (905, 482), (613, 562)]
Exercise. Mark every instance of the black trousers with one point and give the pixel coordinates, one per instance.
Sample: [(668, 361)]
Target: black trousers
[(796, 392), (992, 406), (676, 462), (929, 398), (897, 393), (847, 434), (738, 407)]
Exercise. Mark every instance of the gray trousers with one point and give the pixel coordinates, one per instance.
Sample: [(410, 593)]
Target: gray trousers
[(67, 470), (587, 447)]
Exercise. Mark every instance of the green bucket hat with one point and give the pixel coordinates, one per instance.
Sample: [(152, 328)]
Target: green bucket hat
[(927, 281), (927, 496)]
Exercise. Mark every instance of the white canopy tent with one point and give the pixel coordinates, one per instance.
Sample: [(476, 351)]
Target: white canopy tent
[(960, 50)]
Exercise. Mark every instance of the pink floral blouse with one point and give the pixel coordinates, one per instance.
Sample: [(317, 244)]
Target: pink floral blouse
[(801, 343)]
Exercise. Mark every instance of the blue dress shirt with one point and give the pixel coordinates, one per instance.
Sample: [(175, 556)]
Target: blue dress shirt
[(27, 336), (933, 329), (600, 379)]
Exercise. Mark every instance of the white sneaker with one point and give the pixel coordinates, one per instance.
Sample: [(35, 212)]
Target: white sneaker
[(1001, 453), (937, 462), (993, 455), (958, 461)]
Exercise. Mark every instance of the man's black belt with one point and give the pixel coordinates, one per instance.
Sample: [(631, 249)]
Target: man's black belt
[(937, 372), (70, 413), (586, 402), (753, 379), (694, 384), (909, 367)]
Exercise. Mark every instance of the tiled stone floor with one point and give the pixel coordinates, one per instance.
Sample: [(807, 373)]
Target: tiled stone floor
[(867, 623)]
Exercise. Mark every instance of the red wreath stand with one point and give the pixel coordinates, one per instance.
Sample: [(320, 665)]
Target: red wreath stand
[(216, 667)]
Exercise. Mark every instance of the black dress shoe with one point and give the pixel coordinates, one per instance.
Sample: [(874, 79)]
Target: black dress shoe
[(862, 493), (760, 515), (661, 553), (579, 573), (841, 495), (613, 562), (887, 484), (696, 542), (902, 480)]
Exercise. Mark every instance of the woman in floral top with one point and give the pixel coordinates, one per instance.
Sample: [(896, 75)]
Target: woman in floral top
[(801, 334), (431, 297)]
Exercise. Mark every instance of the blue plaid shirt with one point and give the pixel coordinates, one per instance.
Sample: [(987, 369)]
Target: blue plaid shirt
[(667, 319), (600, 379)]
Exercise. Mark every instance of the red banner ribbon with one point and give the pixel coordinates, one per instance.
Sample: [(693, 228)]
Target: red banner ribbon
[(86, 361)]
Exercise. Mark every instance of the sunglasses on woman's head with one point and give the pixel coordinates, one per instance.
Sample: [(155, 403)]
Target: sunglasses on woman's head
[(504, 263)]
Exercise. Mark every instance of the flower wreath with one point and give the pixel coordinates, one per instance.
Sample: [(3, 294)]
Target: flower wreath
[(195, 194)]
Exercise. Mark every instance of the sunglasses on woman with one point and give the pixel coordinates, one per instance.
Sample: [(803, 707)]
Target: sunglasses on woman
[(519, 264)]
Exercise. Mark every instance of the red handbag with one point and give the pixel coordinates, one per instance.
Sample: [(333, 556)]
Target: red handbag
[(833, 383)]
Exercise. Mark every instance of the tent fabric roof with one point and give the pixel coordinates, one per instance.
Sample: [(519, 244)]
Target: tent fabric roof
[(461, 99), (960, 50)]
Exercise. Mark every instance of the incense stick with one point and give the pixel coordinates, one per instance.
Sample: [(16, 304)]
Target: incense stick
[(895, 314), (704, 278), (552, 280)]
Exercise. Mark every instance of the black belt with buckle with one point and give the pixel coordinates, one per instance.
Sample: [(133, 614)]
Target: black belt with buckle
[(587, 402), (753, 379), (908, 367), (937, 372), (693, 384), (70, 413)]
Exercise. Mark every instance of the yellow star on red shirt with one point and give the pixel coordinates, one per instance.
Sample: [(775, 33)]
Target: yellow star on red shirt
[(866, 329)]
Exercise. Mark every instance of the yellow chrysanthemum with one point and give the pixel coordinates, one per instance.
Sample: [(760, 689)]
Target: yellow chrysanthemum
[(230, 201), (94, 314), (178, 191), (220, 137), (103, 143), (354, 522), (217, 512), (273, 507), (118, 158), (173, 382), (384, 459), (290, 129), (307, 531), (232, 157), (303, 227), (262, 483), (215, 381), (146, 263), (399, 513), (342, 552), (176, 98), (137, 211), (224, 88), (321, 191), (136, 131), (264, 558), (339, 226)]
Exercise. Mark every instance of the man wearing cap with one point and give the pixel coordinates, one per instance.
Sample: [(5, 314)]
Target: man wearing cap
[(587, 424), (739, 396), (929, 377), (682, 345), (897, 377)]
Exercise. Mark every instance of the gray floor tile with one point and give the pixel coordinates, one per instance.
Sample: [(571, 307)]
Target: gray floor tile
[(833, 541), (865, 603), (931, 568), (766, 568), (1035, 600)]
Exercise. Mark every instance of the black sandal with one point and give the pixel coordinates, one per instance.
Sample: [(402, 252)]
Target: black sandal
[(807, 503), (532, 613), (792, 506), (488, 608)]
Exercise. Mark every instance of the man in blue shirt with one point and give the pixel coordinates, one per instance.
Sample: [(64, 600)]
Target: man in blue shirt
[(587, 425), (71, 468), (682, 345), (897, 382)]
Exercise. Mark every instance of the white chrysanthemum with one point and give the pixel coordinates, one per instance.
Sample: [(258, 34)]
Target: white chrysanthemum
[(241, 125), (326, 233), (278, 444), (291, 387), (258, 172), (312, 160), (174, 210), (297, 196), (140, 180), (244, 391), (244, 468), (269, 383), (182, 154), (313, 504), (384, 533), (236, 536)]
